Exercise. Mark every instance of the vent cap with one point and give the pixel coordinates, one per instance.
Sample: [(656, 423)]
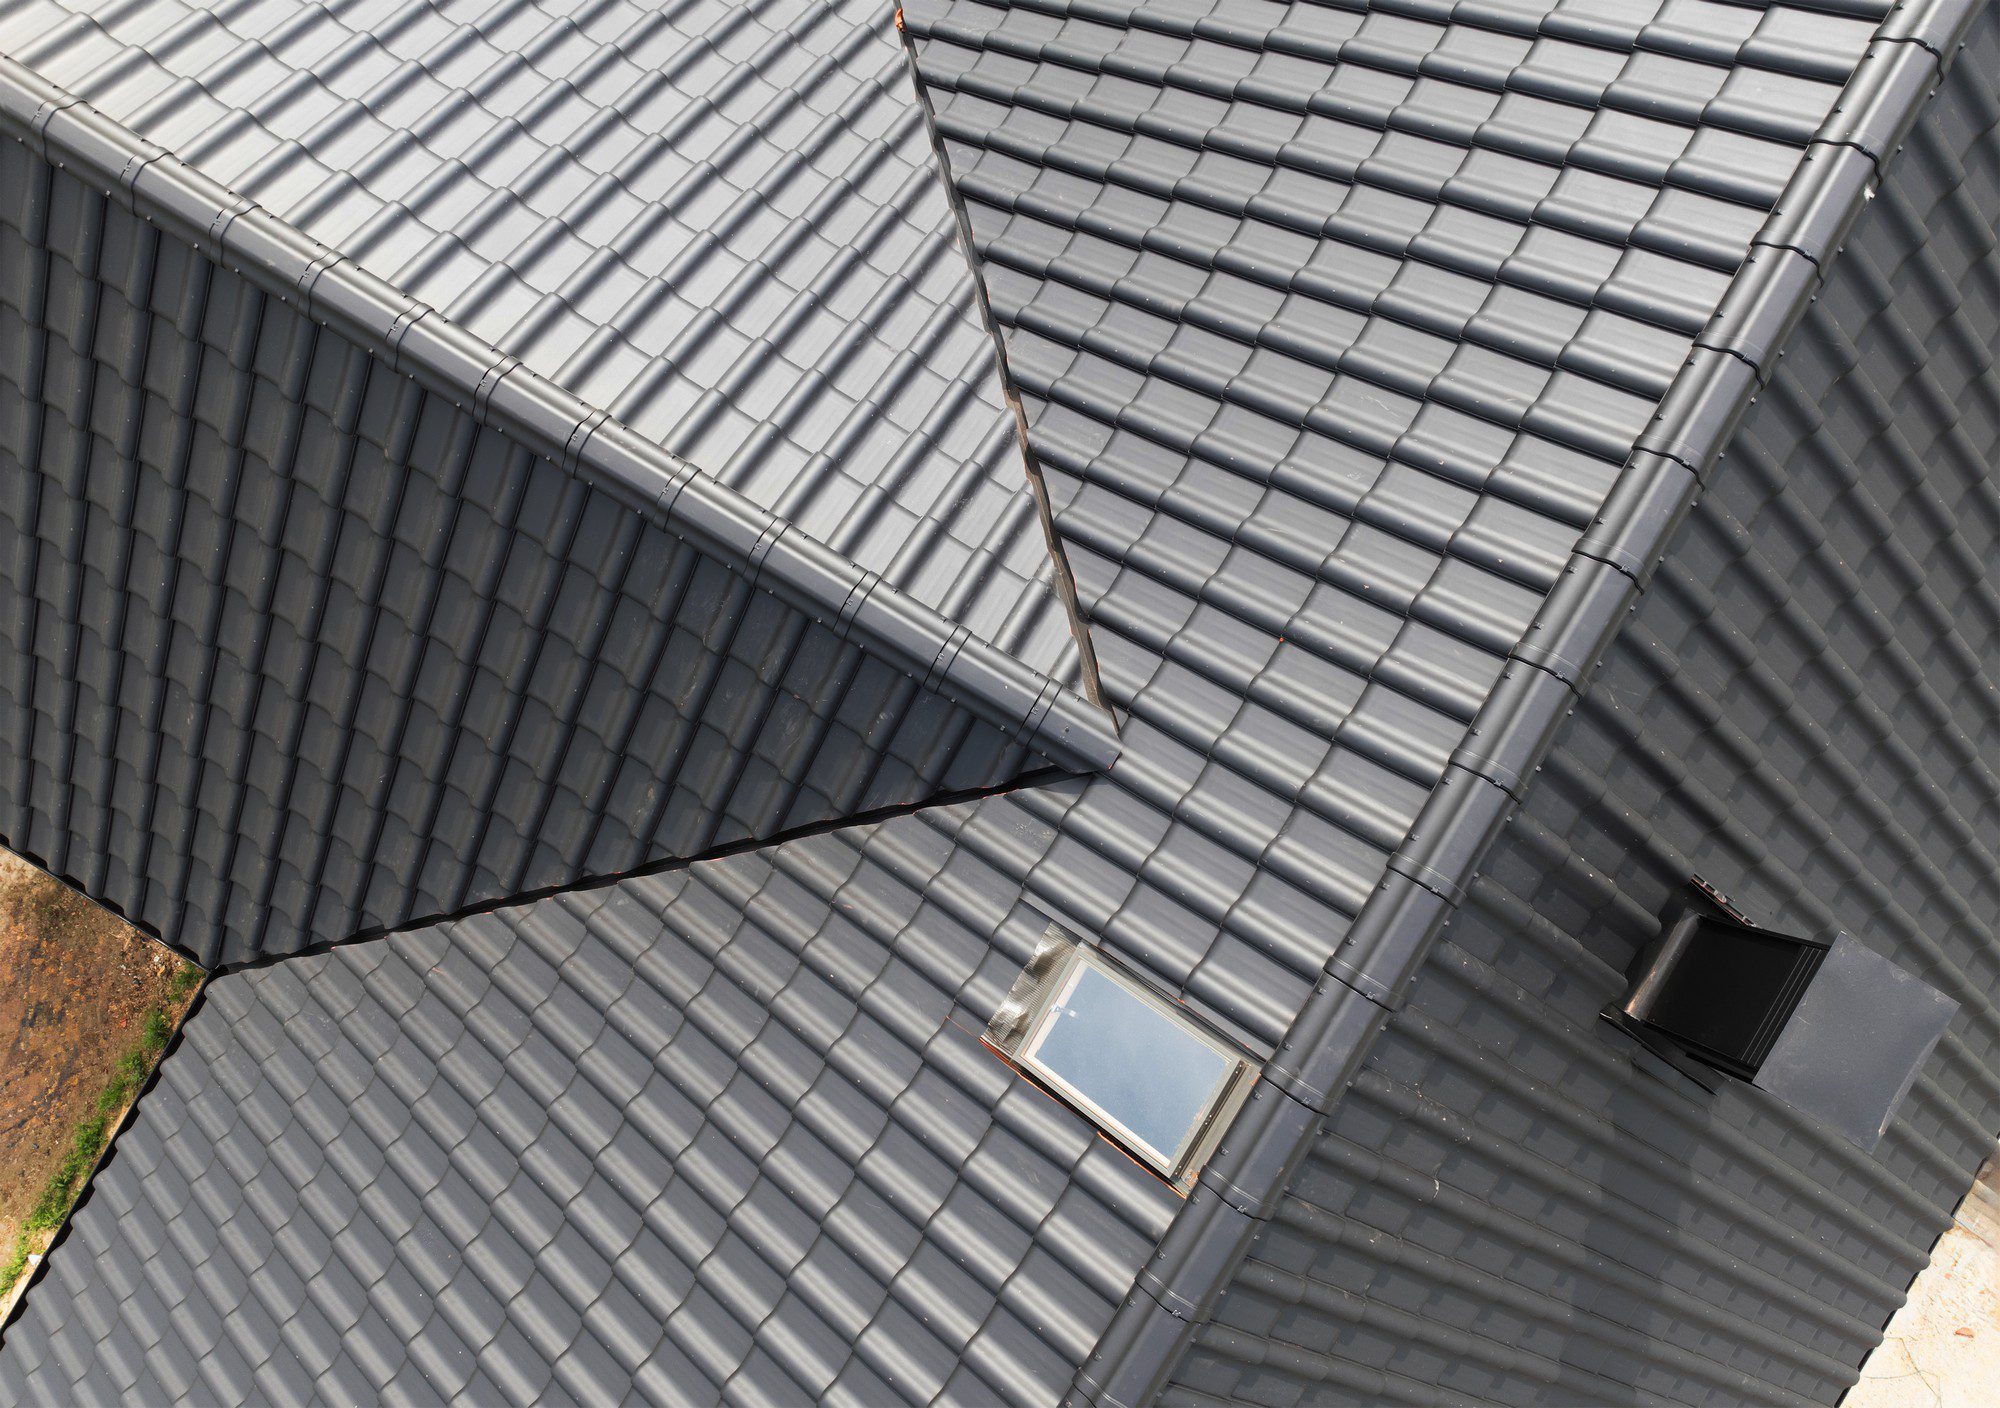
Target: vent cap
[(1830, 1027)]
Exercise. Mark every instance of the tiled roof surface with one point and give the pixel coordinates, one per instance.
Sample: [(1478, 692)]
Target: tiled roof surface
[(1333, 328), (719, 222), (1334, 325), (726, 1135), (292, 647), (1512, 1204)]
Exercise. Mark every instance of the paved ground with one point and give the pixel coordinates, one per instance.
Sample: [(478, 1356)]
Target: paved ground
[(76, 987), (1943, 1347)]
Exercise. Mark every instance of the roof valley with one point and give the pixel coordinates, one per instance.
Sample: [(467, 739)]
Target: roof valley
[(1035, 113), (1065, 578)]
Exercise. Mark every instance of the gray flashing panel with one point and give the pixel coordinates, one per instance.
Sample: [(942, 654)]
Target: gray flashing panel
[(296, 648), (1863, 1033)]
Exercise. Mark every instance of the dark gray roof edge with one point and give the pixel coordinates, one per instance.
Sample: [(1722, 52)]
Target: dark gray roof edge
[(1544, 676), (419, 342)]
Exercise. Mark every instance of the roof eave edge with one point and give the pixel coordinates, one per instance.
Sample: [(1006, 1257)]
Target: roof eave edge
[(419, 342), (1514, 729)]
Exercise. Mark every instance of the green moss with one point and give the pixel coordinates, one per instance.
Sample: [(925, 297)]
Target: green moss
[(68, 1179), (185, 980), (17, 1262), (87, 1141)]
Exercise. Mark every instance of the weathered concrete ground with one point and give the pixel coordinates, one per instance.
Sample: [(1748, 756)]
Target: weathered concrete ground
[(86, 1003), (1943, 1347)]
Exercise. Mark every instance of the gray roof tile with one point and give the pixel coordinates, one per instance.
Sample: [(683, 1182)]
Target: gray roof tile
[(636, 1144), (1333, 325), (720, 223), (298, 648), (1331, 335)]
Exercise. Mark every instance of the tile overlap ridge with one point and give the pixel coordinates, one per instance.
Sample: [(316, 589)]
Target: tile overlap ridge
[(419, 342), (1545, 674)]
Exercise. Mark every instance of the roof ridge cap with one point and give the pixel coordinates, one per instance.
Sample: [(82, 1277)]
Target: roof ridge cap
[(1545, 675), (499, 390)]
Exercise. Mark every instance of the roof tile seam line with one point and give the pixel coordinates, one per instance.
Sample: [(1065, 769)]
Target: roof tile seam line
[(1579, 26), (1065, 577), (1458, 131), (1545, 675), (416, 341)]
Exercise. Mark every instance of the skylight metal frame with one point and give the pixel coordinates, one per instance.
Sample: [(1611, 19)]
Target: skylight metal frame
[(1027, 1019)]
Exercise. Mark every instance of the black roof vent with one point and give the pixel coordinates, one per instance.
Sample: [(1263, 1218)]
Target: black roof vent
[(1828, 1026)]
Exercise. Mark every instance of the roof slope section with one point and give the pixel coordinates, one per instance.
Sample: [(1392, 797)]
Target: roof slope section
[(717, 222), (296, 646), (1299, 638), (1477, 246), (1335, 325), (700, 1138), (1515, 1205)]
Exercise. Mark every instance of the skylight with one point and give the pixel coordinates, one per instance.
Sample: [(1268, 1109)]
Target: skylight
[(1134, 1063)]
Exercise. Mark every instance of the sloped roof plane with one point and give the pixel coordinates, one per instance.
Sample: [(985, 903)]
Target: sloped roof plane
[(1368, 354), (718, 224), (1801, 657), (490, 698), (1485, 251)]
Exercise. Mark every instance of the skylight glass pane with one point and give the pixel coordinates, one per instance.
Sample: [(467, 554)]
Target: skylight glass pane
[(1149, 1073)]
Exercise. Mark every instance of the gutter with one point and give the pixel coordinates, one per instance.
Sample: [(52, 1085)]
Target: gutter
[(1545, 675), (419, 342)]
